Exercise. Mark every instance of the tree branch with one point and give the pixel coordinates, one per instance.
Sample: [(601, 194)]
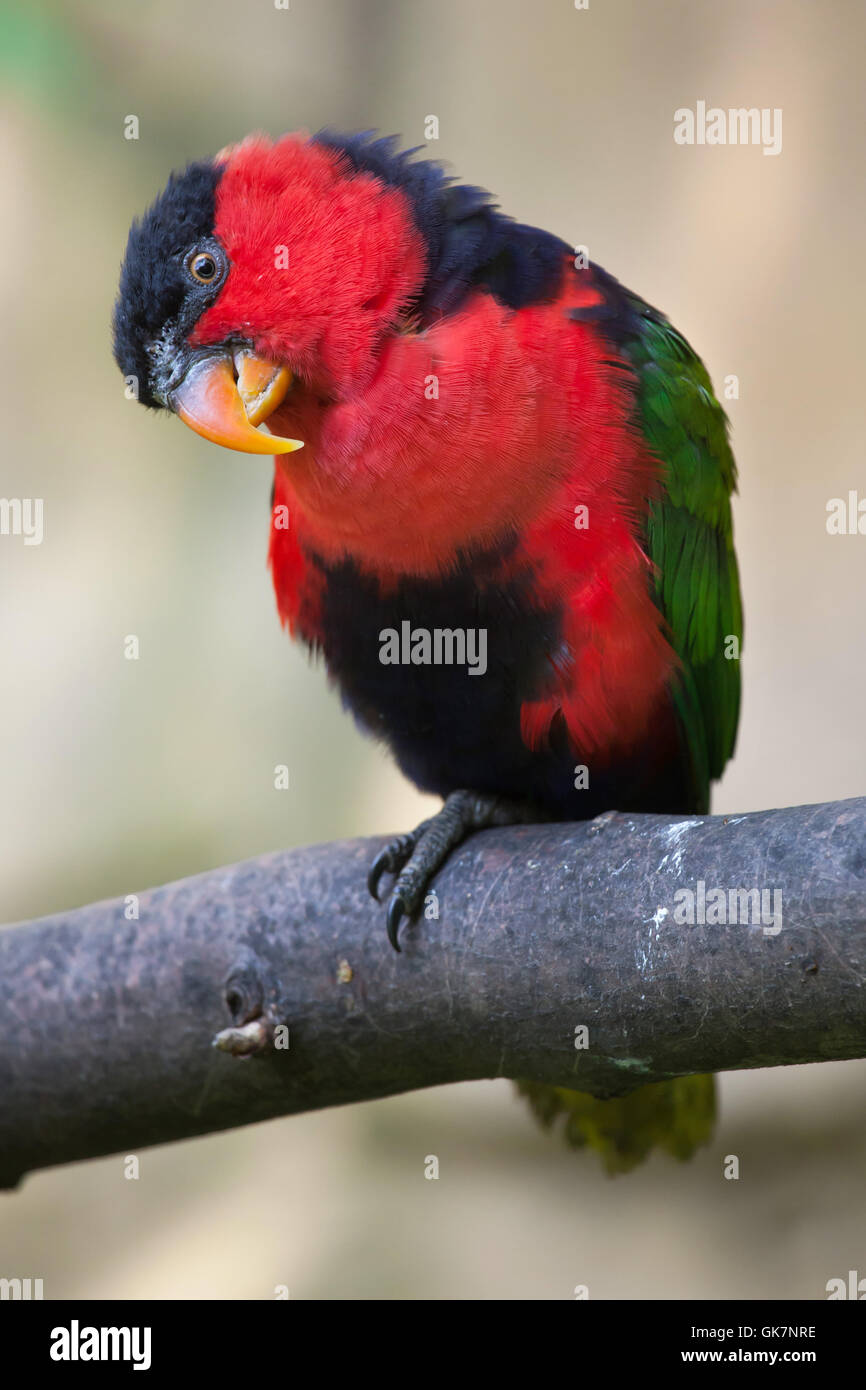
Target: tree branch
[(107, 1023)]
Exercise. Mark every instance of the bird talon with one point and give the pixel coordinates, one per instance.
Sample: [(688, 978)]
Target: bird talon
[(380, 865), (396, 913)]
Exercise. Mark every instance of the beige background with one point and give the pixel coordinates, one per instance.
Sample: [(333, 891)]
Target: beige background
[(118, 775)]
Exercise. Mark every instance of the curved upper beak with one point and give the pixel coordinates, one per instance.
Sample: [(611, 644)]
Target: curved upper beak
[(224, 396)]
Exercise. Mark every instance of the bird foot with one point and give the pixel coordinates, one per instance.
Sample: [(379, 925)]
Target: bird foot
[(415, 858)]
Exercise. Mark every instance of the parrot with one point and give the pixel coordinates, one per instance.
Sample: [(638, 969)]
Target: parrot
[(501, 508)]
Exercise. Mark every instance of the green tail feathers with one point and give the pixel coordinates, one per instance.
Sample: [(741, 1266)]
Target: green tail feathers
[(677, 1116)]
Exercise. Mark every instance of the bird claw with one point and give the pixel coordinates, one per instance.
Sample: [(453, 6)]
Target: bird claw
[(392, 859), (395, 914), (381, 864), (415, 858)]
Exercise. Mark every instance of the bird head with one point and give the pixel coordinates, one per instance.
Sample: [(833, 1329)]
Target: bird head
[(367, 306), (275, 262)]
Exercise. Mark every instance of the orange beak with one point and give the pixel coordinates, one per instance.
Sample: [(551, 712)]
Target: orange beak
[(224, 397)]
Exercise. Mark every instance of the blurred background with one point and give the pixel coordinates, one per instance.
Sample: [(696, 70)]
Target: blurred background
[(119, 774)]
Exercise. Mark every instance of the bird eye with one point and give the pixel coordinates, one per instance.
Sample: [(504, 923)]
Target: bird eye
[(202, 266)]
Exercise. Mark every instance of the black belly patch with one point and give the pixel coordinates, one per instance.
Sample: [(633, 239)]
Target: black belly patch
[(448, 729)]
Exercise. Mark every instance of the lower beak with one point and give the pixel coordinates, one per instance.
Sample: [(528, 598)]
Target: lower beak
[(224, 397)]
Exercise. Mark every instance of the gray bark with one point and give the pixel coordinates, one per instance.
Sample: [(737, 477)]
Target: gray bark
[(107, 1024)]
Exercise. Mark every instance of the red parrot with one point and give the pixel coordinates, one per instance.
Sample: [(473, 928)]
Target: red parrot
[(501, 504)]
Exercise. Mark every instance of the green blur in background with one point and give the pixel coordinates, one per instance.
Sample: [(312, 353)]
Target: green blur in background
[(121, 774)]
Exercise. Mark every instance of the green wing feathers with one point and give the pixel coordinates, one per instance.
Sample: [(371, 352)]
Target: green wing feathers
[(690, 540)]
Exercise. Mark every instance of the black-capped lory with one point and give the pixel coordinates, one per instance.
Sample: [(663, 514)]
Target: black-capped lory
[(501, 503)]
